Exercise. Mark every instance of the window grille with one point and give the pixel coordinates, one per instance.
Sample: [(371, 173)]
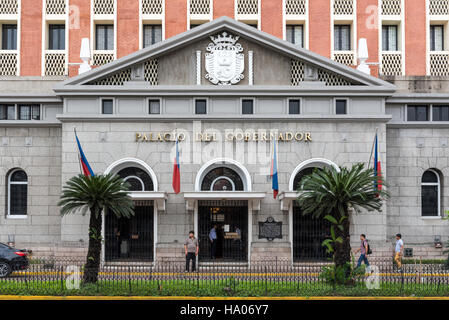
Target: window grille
[(116, 79), (55, 7), (331, 79), (199, 6), (247, 7), (345, 58), (295, 7), (150, 71), (151, 6), (103, 6), (55, 64), (9, 6), (100, 59), (8, 64), (297, 72), (392, 64), (439, 64), (391, 7), (438, 7), (343, 7)]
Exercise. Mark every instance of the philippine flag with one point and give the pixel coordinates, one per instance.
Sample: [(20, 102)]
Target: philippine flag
[(274, 172), (85, 167), (377, 168), (176, 172)]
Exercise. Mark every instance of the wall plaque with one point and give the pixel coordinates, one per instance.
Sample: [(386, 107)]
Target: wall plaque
[(270, 229)]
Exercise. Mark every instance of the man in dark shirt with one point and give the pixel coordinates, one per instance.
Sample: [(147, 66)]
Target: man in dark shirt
[(191, 249)]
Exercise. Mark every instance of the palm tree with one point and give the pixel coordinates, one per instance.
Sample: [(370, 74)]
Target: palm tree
[(329, 194), (99, 194)]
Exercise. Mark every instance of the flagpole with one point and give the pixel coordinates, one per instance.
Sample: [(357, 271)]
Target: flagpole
[(78, 151), (372, 148)]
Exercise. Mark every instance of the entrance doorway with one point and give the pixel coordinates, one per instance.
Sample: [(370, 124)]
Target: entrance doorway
[(130, 238), (231, 221)]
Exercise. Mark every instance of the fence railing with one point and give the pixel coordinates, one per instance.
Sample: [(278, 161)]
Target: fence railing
[(64, 276)]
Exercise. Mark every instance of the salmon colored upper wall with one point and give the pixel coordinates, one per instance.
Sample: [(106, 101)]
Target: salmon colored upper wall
[(79, 27), (272, 23), (31, 38), (320, 26), (175, 17), (127, 27), (368, 28), (223, 8), (415, 35)]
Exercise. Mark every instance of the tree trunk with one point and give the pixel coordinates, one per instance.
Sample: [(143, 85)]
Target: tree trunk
[(92, 265), (342, 254)]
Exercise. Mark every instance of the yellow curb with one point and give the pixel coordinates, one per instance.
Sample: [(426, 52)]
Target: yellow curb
[(106, 298)]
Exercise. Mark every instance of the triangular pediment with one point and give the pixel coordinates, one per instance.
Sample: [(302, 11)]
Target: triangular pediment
[(261, 59)]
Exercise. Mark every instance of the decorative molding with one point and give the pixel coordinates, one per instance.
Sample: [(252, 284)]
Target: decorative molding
[(198, 67), (250, 68)]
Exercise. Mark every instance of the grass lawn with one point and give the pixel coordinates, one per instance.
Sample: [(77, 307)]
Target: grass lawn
[(228, 287)]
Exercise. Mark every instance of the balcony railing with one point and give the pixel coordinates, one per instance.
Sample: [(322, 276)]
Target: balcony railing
[(295, 7), (391, 7), (9, 7), (55, 63), (345, 57), (439, 63), (8, 63), (391, 63)]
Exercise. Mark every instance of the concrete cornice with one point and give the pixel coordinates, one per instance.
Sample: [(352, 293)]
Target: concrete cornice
[(419, 125), (240, 90), (28, 123), (264, 118), (418, 98), (29, 98)]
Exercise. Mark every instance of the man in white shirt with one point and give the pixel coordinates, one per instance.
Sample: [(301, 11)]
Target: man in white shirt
[(398, 250)]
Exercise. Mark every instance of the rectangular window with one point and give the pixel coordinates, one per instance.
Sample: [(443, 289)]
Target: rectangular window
[(29, 112), (200, 106), (418, 113), (18, 199), (247, 106), (341, 106), (9, 37), (293, 106), (390, 38), (154, 106), (440, 113), (436, 38), (342, 37), (429, 200), (104, 37), (7, 112), (56, 37), (294, 34), (194, 25), (107, 106), (152, 33)]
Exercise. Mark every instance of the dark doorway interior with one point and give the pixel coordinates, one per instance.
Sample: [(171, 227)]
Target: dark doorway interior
[(130, 238), (231, 219)]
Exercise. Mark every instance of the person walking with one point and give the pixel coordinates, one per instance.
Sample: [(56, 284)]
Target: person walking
[(213, 241), (363, 251), (191, 248), (398, 251)]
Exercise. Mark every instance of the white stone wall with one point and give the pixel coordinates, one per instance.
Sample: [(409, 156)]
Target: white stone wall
[(410, 152), (107, 142), (41, 160)]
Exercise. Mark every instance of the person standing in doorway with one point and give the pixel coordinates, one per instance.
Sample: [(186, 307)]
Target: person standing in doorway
[(363, 251), (191, 247), (213, 241), (398, 250)]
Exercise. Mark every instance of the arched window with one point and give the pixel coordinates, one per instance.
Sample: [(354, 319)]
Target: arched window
[(430, 194), (137, 178), (17, 193), (222, 179)]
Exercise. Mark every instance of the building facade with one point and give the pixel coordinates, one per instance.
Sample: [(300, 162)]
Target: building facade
[(228, 80)]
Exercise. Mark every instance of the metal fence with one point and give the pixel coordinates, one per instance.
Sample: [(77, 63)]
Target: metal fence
[(168, 277)]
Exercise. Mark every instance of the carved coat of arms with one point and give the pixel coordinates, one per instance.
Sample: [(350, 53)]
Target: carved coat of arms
[(224, 60)]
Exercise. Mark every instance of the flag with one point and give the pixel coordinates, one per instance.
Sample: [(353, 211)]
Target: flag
[(274, 172), (85, 167), (377, 167), (176, 172)]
